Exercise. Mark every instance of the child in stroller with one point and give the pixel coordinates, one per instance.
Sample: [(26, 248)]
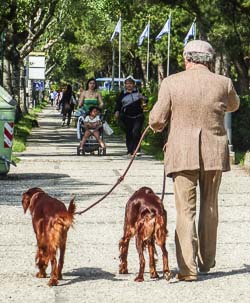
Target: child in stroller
[(91, 133)]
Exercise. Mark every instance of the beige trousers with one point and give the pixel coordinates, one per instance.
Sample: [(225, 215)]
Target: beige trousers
[(188, 246)]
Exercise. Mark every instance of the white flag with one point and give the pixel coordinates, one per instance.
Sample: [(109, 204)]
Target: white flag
[(144, 34), (165, 30), (117, 29), (191, 33)]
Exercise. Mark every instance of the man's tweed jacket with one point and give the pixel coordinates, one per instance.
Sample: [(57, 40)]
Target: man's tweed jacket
[(194, 103)]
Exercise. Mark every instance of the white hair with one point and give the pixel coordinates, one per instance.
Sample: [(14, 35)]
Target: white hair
[(198, 57)]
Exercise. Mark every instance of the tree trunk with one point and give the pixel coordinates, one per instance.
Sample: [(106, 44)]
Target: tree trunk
[(23, 93), (243, 76), (138, 70), (144, 71), (16, 82), (7, 78), (160, 71), (222, 66)]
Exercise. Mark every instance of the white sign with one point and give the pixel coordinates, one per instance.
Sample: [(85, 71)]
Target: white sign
[(47, 84), (36, 61), (37, 73)]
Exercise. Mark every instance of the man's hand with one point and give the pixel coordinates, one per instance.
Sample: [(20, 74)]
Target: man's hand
[(159, 130)]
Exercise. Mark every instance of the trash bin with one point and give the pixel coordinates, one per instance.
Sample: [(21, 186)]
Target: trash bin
[(7, 117)]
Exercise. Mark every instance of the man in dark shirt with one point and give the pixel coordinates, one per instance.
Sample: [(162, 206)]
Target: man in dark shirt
[(129, 109)]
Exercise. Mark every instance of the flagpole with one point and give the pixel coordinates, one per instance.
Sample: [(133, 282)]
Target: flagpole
[(120, 50), (148, 50), (169, 43), (194, 28), (113, 66)]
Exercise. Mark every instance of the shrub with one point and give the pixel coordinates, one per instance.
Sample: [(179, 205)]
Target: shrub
[(23, 128), (109, 100), (241, 126)]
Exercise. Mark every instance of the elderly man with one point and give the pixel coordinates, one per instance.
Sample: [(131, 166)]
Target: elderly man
[(194, 103)]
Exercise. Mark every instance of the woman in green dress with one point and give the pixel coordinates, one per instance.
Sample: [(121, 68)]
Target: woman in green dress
[(90, 97)]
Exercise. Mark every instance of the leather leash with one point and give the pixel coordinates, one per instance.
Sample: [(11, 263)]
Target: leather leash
[(121, 178), (163, 184)]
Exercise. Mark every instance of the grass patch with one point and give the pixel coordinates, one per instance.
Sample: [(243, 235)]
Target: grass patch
[(239, 157), (23, 128), (153, 144), (151, 150), (117, 129)]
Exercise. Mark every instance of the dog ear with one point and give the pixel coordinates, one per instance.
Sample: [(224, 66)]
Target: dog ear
[(25, 201), (28, 195)]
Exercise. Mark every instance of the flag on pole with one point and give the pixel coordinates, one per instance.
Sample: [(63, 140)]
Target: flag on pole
[(117, 30), (191, 33), (145, 34), (165, 30)]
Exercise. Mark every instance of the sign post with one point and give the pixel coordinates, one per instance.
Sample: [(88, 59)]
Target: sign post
[(35, 76)]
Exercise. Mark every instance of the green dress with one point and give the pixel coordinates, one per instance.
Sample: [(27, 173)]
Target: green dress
[(88, 102)]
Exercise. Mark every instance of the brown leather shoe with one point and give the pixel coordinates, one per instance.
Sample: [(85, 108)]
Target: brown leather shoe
[(186, 278)]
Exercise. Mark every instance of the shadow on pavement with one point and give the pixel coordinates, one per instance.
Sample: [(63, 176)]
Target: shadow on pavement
[(221, 274), (57, 185), (217, 274), (88, 274), (34, 176)]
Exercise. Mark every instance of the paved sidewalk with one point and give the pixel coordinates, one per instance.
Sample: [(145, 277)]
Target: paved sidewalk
[(91, 261)]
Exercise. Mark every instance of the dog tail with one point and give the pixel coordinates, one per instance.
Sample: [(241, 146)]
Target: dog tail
[(66, 218), (72, 206)]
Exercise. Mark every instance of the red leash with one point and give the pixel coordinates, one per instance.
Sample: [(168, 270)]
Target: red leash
[(120, 179)]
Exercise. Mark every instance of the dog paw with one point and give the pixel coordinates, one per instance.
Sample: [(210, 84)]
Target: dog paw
[(168, 275), (154, 275), (41, 275), (123, 270), (53, 282), (60, 277), (139, 279)]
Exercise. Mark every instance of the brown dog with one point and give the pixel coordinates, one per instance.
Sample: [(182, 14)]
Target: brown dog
[(51, 221), (145, 218)]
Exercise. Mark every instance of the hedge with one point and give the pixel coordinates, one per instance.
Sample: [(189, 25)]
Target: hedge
[(241, 126)]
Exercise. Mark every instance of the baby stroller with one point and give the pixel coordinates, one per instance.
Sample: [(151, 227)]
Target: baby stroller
[(91, 144)]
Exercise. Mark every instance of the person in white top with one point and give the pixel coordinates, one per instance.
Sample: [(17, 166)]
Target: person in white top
[(92, 124), (51, 96)]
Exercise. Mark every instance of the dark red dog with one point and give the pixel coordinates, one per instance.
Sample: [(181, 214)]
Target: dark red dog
[(145, 218), (51, 221)]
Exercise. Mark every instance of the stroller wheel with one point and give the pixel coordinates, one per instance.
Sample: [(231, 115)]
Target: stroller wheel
[(78, 151)]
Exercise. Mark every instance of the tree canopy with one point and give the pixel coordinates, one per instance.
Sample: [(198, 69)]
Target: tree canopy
[(75, 35)]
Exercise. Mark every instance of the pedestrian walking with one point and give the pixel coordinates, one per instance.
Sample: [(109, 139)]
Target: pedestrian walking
[(51, 97), (59, 98), (193, 103), (67, 104), (129, 108)]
